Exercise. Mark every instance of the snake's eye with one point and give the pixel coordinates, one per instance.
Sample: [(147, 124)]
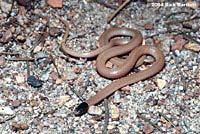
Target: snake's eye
[(81, 109)]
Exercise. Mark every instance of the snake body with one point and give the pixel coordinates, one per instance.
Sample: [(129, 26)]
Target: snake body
[(110, 49)]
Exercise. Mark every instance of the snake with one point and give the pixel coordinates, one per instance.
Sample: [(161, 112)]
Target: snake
[(113, 45)]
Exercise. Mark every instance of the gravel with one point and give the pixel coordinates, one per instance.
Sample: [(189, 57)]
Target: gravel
[(174, 92)]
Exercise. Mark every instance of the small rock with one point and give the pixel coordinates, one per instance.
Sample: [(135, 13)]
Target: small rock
[(198, 81), (55, 31), (111, 126), (192, 46), (171, 61), (187, 25), (59, 81), (117, 97), (148, 128), (16, 126), (95, 110), (5, 6), (6, 37), (20, 79), (119, 21), (109, 64), (179, 43), (21, 38), (62, 100), (148, 87), (34, 82), (6, 111), (37, 49), (55, 3), (114, 111), (148, 26), (161, 83), (12, 29), (15, 103)]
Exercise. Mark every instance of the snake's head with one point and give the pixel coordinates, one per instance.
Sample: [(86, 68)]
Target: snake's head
[(81, 109)]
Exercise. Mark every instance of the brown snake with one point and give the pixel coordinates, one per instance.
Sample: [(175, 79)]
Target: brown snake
[(109, 50)]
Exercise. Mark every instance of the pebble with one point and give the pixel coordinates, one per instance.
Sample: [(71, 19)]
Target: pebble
[(95, 110), (161, 83), (114, 111), (117, 97), (62, 100), (198, 80), (34, 82), (148, 129), (55, 3), (15, 103), (148, 26), (16, 126), (5, 6), (109, 64), (21, 38), (55, 31), (37, 49), (193, 46), (170, 100), (20, 79), (148, 87), (6, 36), (110, 126), (6, 111), (179, 43)]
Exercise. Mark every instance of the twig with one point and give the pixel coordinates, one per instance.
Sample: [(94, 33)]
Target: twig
[(8, 53), (7, 119), (150, 122), (41, 38), (54, 63), (21, 59), (182, 21), (117, 11), (167, 119), (63, 43), (28, 69), (77, 94), (175, 13), (106, 120), (26, 59)]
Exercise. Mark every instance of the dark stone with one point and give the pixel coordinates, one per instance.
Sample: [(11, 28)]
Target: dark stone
[(81, 109), (34, 82)]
